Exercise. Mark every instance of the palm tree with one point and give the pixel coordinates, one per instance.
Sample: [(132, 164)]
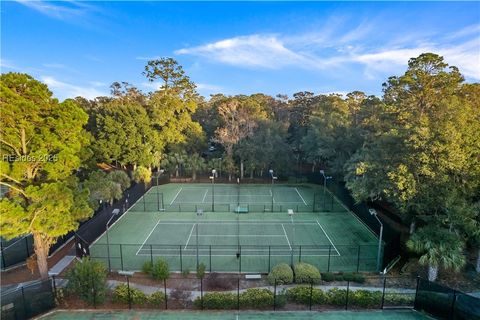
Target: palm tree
[(195, 163), (439, 248)]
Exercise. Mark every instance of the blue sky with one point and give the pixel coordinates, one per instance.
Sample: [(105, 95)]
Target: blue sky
[(80, 48)]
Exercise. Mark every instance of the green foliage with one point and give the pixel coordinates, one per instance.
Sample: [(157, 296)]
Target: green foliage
[(365, 298), (142, 174), (88, 281), (439, 248), (328, 277), (121, 294), (359, 278), (217, 300), (201, 270), (348, 276), (120, 177), (256, 298), (339, 277), (398, 299), (306, 273), (147, 267), (157, 298), (337, 297), (301, 294), (160, 270), (282, 273), (103, 188)]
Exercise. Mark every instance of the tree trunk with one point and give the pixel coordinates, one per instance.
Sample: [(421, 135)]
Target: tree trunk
[(41, 249), (412, 227), (432, 273), (194, 175), (313, 167), (176, 171), (251, 174), (477, 267), (229, 176)]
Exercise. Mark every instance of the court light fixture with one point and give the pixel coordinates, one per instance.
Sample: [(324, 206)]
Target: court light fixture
[(374, 213), (115, 212)]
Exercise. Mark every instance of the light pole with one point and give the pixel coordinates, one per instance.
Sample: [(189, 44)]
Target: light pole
[(160, 172), (213, 188), (325, 178), (290, 213), (273, 179), (114, 213), (373, 212)]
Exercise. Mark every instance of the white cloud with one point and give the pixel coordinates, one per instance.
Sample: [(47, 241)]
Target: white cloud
[(64, 10), (208, 87), (148, 58), (65, 90), (277, 51)]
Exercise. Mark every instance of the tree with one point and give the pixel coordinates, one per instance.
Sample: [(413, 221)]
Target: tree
[(106, 187), (195, 163), (142, 174), (171, 74), (439, 249), (41, 145)]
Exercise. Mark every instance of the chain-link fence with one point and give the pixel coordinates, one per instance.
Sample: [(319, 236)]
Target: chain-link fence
[(28, 301)]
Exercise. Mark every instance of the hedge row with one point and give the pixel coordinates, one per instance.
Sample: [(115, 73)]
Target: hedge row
[(250, 298), (337, 297), (120, 294)]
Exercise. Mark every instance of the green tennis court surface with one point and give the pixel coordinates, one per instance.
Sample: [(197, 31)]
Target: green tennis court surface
[(147, 315), (228, 197), (233, 242)]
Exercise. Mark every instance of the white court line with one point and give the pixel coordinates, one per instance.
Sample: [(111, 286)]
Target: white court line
[(241, 235), (176, 196), (233, 254), (301, 196), (147, 237), (328, 237), (188, 240), (286, 236), (230, 247), (204, 196), (219, 222)]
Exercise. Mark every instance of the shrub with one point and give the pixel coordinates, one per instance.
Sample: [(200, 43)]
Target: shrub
[(336, 296), (157, 298), (339, 277), (348, 276), (88, 281), (328, 276), (306, 273), (201, 270), (160, 270), (282, 272), (120, 294), (365, 298), (399, 299), (147, 267), (217, 300), (301, 294), (256, 298), (359, 278)]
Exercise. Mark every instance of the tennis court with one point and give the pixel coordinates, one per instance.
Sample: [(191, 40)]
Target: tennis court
[(237, 240), (234, 197), (298, 315)]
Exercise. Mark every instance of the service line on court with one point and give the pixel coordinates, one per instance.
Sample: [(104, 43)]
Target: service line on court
[(188, 240), (328, 237), (147, 237), (176, 196), (286, 236), (301, 196), (204, 196)]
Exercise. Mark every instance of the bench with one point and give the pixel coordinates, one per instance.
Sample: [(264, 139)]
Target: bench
[(241, 210), (253, 276)]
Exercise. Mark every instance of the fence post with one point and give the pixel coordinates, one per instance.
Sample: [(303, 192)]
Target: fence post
[(329, 254), (314, 201), (121, 256), (452, 307), (3, 255), (129, 294), (181, 258), (210, 256), (94, 294), (275, 294), (269, 257), (54, 286), (358, 258), (383, 293), (311, 293), (416, 294), (201, 290), (24, 304), (300, 254), (144, 204), (346, 298), (238, 292), (151, 254), (240, 260), (165, 292)]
